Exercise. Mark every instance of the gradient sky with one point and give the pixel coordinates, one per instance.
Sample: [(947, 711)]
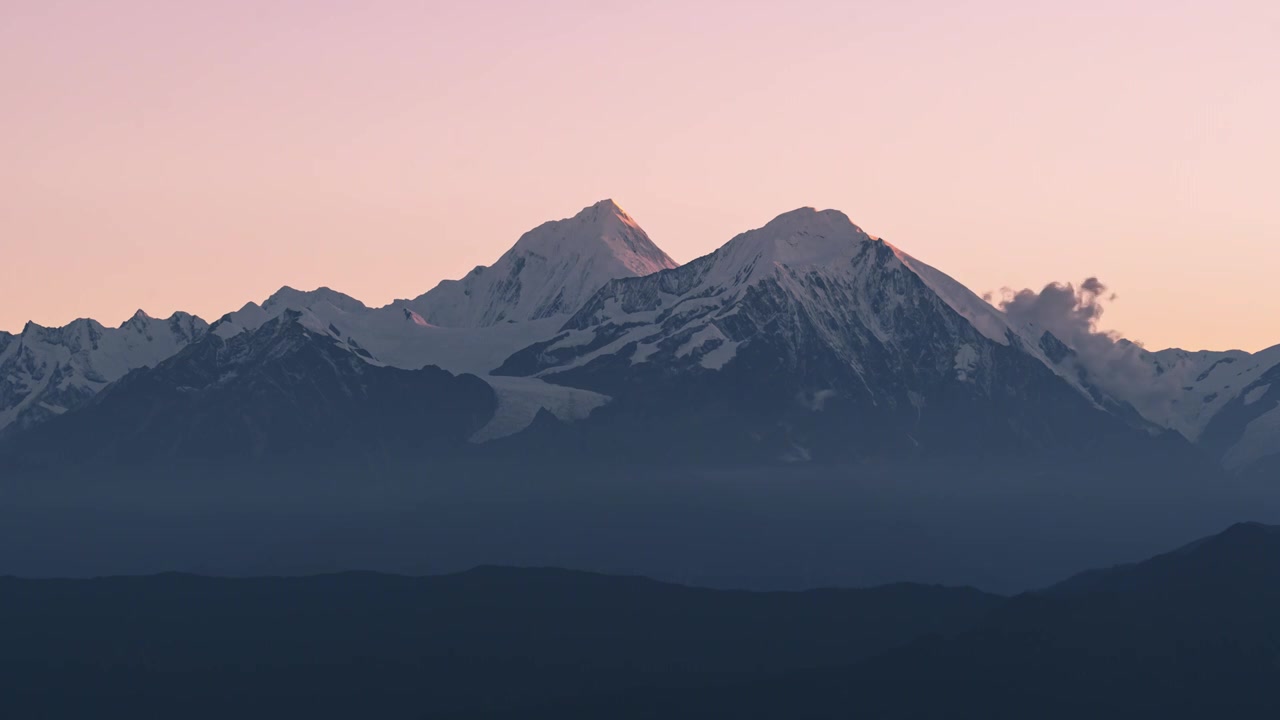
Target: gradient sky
[(195, 155)]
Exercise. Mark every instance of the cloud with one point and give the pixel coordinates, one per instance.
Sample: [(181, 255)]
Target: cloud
[(1072, 313), (1068, 312)]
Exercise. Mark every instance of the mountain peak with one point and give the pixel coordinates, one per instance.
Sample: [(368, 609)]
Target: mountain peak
[(607, 210), (811, 227), (289, 298), (803, 237), (604, 209), (610, 205), (79, 326), (139, 319), (249, 317), (551, 270), (604, 231)]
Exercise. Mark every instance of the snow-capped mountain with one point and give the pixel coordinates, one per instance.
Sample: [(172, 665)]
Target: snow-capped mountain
[(281, 388), (804, 339), (472, 325), (809, 338), (1219, 400), (396, 337), (1228, 402), (550, 271), (1185, 390), (45, 372)]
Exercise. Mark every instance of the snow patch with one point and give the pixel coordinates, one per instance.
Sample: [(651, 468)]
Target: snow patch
[(700, 338), (966, 362), (818, 401), (520, 400), (643, 352), (719, 357), (1256, 394), (985, 319)]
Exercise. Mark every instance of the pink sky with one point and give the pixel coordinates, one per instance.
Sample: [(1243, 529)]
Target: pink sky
[(194, 156)]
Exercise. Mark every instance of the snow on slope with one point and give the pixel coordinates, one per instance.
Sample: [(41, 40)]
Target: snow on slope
[(472, 325), (796, 249), (393, 336), (989, 321), (398, 337), (688, 301), (1222, 399), (48, 371), (994, 324), (550, 271), (1203, 382), (1184, 391), (520, 400), (809, 338)]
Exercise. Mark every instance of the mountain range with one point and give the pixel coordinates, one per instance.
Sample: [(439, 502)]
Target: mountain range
[(805, 340)]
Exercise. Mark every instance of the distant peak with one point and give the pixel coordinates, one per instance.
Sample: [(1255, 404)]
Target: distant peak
[(140, 317), (602, 229), (79, 324), (138, 320), (288, 297), (605, 218), (283, 296), (551, 270), (605, 211)]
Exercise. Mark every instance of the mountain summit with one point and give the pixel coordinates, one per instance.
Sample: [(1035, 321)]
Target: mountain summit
[(801, 238), (550, 271)]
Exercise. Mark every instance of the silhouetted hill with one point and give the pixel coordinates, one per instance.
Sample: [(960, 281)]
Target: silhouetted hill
[(1193, 633), (1189, 634), (370, 645)]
